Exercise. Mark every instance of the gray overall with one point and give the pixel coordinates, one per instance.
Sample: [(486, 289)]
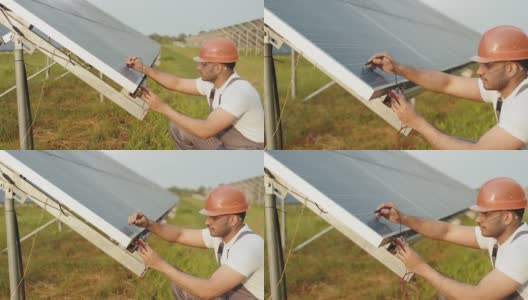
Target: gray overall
[(238, 293), (228, 139), (514, 295)]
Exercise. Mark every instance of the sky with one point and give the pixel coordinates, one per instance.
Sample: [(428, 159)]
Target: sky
[(473, 168), (169, 17), (481, 15), (192, 169)]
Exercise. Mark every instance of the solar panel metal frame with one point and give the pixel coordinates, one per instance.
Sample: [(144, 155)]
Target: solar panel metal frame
[(371, 97), (343, 220), (108, 238), (325, 63), (71, 203), (26, 20), (285, 178)]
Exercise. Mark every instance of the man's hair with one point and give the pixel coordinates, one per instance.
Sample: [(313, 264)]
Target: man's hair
[(230, 65), (519, 213), (524, 64), (242, 216)]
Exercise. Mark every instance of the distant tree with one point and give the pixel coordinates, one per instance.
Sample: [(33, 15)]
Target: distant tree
[(181, 37)]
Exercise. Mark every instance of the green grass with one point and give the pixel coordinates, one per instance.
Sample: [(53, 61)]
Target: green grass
[(65, 266), (69, 114), (333, 267), (334, 119)]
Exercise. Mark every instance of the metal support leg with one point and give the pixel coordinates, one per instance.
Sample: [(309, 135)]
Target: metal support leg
[(275, 257), (16, 281), (283, 223), (278, 135), (269, 103), (25, 129)]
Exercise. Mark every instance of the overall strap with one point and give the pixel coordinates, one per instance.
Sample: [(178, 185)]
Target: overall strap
[(227, 85), (213, 91), (220, 250)]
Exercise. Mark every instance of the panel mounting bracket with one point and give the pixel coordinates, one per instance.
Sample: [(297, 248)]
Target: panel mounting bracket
[(6, 38), (28, 47), (273, 38)]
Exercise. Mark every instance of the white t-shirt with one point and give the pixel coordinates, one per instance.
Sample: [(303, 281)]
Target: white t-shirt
[(245, 256), (514, 111), (511, 256), (242, 101)]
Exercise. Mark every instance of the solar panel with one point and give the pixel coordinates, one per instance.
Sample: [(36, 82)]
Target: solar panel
[(348, 186), (339, 36), (98, 189), (96, 37)]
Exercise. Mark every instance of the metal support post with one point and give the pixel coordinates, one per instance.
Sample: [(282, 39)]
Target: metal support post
[(16, 281), (269, 103), (273, 239), (283, 223), (25, 129)]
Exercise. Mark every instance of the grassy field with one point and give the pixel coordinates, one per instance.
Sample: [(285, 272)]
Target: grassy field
[(334, 119), (68, 114), (65, 266), (333, 267)]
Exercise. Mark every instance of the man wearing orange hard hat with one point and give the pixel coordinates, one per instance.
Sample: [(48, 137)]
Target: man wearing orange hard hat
[(501, 231), (503, 66), (239, 251), (236, 116)]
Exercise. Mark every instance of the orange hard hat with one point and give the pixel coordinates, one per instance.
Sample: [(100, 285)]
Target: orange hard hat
[(502, 43), (225, 200), (219, 50), (500, 194)]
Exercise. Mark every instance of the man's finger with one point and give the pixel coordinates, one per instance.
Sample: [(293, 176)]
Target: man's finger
[(384, 206), (399, 256)]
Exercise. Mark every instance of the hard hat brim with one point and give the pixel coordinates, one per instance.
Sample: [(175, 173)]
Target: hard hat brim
[(481, 60), (205, 212), (199, 59), (208, 213), (479, 208)]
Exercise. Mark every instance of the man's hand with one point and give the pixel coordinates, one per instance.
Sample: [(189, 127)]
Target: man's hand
[(383, 61), (405, 111), (150, 257), (154, 101), (389, 212), (412, 261), (135, 63), (139, 219)]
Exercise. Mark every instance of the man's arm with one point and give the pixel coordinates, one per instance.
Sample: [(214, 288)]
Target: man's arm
[(175, 234), (217, 121), (435, 81), (495, 139), (169, 81), (222, 280), (433, 229), (496, 285), (171, 233)]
